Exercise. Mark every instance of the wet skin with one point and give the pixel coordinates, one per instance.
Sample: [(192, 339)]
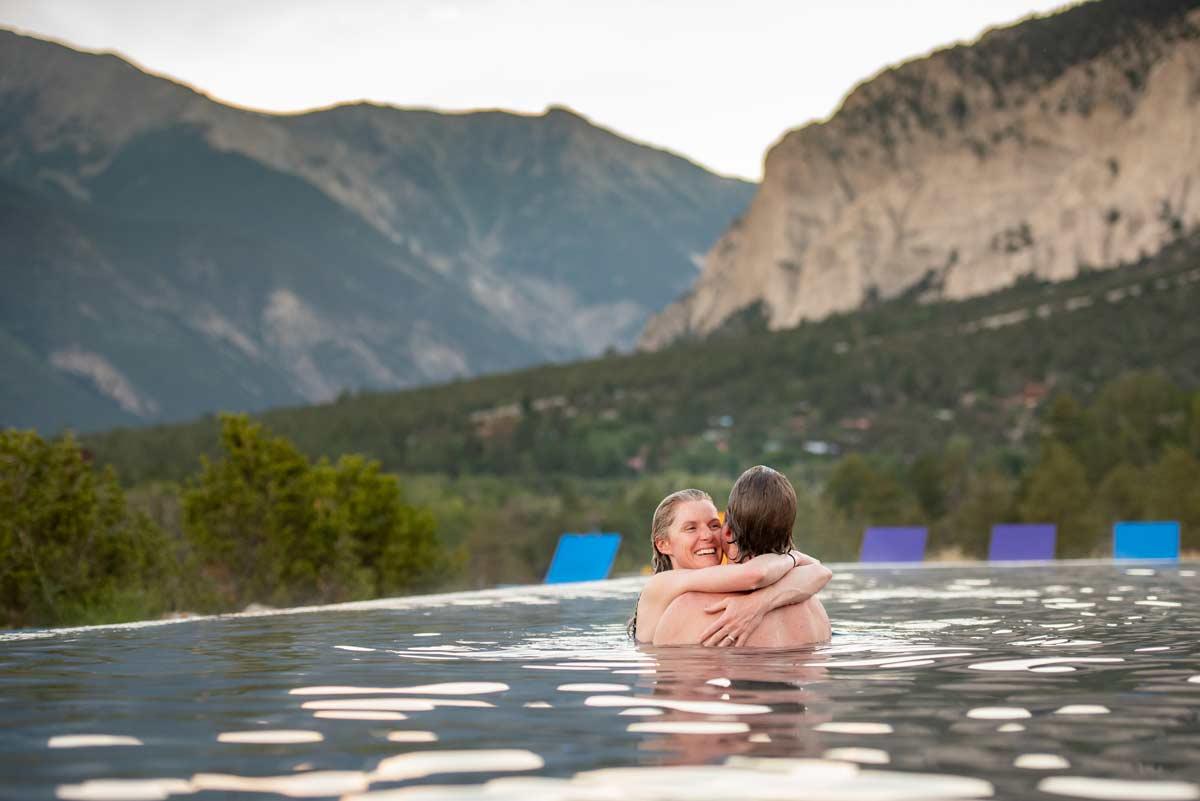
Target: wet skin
[(687, 618)]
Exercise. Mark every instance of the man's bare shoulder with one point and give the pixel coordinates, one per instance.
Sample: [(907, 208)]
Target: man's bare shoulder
[(798, 624)]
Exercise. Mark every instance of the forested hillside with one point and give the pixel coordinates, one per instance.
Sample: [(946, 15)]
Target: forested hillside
[(894, 379)]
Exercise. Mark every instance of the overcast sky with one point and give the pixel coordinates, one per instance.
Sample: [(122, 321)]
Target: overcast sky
[(715, 81)]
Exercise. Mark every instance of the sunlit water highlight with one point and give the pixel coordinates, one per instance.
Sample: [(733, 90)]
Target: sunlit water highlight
[(1047, 682)]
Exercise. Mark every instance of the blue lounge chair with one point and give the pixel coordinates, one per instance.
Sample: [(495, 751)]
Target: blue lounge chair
[(1146, 540), (894, 544), (1022, 542), (583, 557)]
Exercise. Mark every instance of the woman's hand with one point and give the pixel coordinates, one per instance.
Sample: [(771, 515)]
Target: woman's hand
[(803, 559), (742, 614), (740, 617)]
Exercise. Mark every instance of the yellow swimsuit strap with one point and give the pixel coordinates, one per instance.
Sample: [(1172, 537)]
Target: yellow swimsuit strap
[(724, 558)]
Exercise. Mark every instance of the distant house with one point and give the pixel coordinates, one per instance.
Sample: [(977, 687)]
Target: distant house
[(497, 421)]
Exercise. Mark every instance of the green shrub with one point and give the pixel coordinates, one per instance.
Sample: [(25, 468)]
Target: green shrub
[(266, 525), (1058, 492), (70, 550)]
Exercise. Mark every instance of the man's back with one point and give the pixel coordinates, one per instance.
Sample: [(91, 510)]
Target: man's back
[(798, 624)]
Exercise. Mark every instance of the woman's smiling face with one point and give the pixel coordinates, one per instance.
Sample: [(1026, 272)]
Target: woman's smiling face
[(694, 538)]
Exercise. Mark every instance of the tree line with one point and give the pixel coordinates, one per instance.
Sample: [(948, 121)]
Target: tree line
[(1133, 453), (262, 523)]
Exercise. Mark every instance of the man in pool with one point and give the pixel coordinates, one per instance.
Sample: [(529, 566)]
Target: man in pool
[(758, 520), (679, 604)]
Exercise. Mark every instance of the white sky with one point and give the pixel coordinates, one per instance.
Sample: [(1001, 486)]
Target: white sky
[(715, 81)]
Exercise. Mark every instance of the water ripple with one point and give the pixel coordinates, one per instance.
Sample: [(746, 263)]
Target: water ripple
[(1072, 681)]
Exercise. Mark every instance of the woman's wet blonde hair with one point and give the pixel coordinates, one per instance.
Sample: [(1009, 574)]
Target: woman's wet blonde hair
[(660, 528)]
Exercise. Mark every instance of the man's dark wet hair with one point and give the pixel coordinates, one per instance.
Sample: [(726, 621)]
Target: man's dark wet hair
[(761, 512)]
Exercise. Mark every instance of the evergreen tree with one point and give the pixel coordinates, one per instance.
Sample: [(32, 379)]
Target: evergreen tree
[(70, 550), (1173, 493), (822, 531), (395, 546), (1067, 423), (869, 496), (1132, 420), (1122, 495), (926, 479), (957, 470), (1194, 425), (1058, 492), (268, 526), (989, 499)]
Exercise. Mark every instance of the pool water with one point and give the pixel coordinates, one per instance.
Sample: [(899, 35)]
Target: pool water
[(1067, 681)]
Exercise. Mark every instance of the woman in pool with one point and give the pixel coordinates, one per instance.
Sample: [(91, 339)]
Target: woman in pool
[(758, 520), (689, 540)]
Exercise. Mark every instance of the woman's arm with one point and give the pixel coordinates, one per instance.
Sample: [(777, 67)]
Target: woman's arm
[(741, 615), (797, 586), (662, 588), (761, 571)]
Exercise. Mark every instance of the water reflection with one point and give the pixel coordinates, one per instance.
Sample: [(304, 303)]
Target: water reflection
[(722, 702), (1071, 681)]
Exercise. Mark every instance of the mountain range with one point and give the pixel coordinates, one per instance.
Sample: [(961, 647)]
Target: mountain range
[(167, 255)]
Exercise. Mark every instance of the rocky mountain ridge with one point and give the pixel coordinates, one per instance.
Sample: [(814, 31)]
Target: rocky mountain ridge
[(1059, 144), (170, 255)]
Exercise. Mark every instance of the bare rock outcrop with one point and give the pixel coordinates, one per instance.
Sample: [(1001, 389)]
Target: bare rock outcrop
[(1058, 144)]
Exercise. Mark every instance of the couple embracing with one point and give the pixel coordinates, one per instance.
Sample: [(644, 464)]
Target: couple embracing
[(765, 596)]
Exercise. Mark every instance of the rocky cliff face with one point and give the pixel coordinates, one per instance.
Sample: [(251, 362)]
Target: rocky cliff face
[(167, 255), (1056, 145)]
